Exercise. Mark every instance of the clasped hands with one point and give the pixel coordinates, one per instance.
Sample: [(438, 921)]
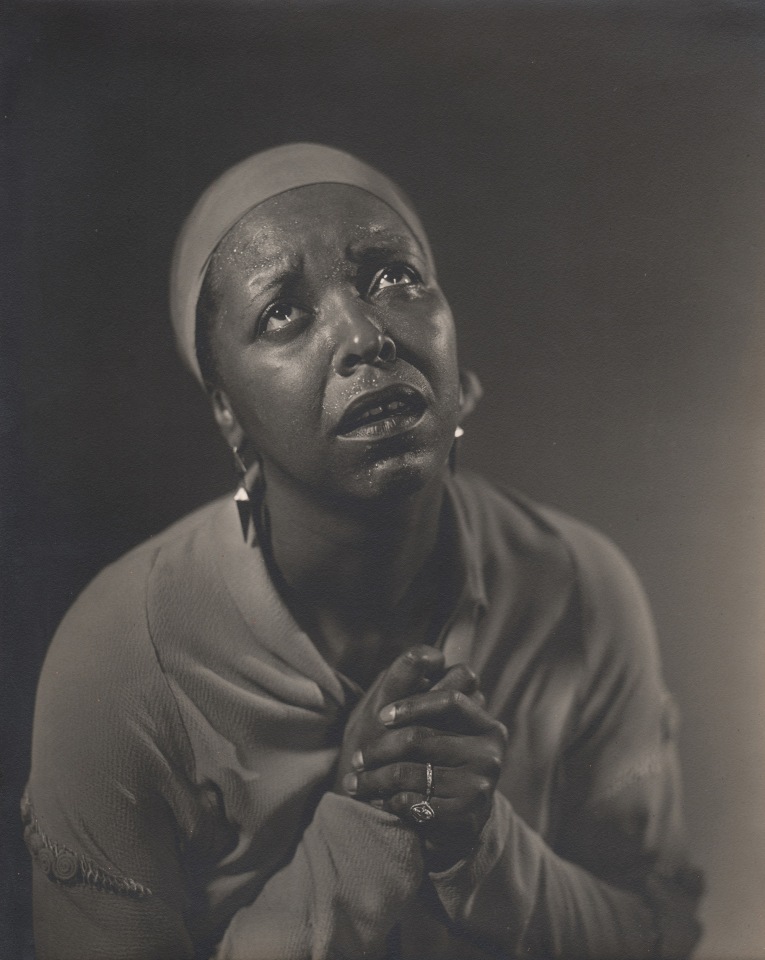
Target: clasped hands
[(417, 712)]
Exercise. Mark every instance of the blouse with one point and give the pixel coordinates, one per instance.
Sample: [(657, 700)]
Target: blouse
[(186, 733)]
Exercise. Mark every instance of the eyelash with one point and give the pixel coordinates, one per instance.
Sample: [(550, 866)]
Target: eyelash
[(414, 276), (286, 306)]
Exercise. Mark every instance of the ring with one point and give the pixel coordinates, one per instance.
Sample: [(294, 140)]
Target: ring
[(422, 811)]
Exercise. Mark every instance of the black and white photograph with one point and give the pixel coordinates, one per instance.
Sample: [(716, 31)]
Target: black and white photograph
[(382, 472)]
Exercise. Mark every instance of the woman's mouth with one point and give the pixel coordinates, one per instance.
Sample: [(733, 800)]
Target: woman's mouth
[(382, 413)]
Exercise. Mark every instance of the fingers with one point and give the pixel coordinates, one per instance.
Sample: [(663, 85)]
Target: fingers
[(428, 745), (458, 677), (385, 781), (461, 677), (449, 783), (408, 671), (448, 710), (451, 812)]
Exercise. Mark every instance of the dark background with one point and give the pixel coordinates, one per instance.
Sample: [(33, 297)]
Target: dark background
[(592, 176)]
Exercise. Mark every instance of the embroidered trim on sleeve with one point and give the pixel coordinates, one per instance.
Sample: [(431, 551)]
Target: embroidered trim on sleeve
[(64, 866)]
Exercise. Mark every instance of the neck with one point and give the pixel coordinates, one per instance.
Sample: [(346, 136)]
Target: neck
[(359, 561)]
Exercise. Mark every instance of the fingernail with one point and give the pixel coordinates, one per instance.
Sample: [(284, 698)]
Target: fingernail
[(388, 715), (350, 784), (357, 760), (377, 804)]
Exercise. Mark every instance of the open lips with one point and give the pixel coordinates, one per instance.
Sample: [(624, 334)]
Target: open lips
[(382, 413)]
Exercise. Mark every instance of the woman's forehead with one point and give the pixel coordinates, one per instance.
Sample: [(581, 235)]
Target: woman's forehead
[(327, 215)]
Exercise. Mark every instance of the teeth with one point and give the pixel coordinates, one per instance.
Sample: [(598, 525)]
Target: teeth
[(387, 408)]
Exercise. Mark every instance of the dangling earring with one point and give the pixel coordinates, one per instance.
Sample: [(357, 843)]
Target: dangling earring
[(240, 465), (242, 495), (459, 432)]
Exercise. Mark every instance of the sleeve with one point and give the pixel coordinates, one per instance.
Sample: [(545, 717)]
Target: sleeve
[(614, 879), (111, 799), (354, 871), (105, 804)]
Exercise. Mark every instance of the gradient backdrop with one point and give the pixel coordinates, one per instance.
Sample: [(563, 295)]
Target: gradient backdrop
[(593, 179)]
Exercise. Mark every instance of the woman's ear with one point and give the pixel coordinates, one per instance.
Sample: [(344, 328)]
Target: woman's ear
[(471, 392), (225, 417)]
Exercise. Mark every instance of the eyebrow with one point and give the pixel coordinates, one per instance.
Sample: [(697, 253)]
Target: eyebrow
[(272, 274), (380, 248)]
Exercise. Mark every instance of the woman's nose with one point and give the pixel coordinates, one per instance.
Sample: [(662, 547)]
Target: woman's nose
[(360, 342)]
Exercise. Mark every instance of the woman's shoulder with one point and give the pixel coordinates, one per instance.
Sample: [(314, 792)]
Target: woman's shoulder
[(533, 527), (108, 733), (552, 543), (106, 631)]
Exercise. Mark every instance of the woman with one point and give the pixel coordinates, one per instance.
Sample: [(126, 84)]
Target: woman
[(374, 707)]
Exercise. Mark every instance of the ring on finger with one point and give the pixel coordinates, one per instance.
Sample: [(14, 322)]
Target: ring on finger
[(422, 812)]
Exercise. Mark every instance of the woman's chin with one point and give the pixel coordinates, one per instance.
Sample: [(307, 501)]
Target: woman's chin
[(396, 477)]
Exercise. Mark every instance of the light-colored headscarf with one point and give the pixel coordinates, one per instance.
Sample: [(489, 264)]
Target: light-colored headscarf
[(239, 190)]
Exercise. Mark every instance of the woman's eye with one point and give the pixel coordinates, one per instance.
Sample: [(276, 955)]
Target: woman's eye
[(280, 315), (396, 275)]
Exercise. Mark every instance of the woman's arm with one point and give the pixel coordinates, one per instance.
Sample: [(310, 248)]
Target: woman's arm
[(618, 881), (111, 796), (357, 867), (108, 798), (343, 891), (614, 879), (508, 889), (353, 872), (518, 895), (611, 880)]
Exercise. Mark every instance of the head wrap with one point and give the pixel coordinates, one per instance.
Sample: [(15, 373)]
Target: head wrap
[(239, 190)]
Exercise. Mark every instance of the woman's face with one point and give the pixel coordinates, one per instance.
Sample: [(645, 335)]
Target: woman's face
[(334, 345)]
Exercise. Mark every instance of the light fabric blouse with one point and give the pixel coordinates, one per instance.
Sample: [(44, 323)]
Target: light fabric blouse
[(186, 732)]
